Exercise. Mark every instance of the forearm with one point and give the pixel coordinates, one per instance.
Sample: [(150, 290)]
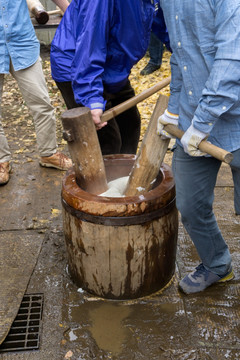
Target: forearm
[(62, 4), (221, 94)]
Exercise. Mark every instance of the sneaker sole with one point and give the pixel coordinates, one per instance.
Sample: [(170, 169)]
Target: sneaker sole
[(228, 277), (52, 166)]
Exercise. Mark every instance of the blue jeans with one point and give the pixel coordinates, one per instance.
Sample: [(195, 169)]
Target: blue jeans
[(235, 167), (195, 179), (155, 50)]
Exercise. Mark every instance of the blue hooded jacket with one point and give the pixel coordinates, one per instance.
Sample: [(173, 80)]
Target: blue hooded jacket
[(97, 43)]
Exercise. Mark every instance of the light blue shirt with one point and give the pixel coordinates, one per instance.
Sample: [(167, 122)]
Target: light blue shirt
[(18, 40), (205, 86)]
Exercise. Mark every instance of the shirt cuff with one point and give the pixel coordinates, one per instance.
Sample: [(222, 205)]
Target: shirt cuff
[(204, 121), (97, 105), (173, 106)]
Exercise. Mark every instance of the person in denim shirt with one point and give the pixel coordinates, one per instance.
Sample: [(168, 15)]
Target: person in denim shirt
[(19, 55), (205, 104), (92, 54)]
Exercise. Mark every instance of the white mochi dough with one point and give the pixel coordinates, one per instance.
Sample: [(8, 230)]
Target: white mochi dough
[(116, 188)]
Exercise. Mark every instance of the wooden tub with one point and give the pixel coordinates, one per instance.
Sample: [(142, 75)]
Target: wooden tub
[(121, 248)]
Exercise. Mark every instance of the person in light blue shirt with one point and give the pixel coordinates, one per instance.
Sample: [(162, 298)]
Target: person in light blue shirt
[(92, 54), (19, 55), (205, 104)]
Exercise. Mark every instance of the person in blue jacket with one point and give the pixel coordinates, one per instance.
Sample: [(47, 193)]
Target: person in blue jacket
[(205, 104), (92, 54)]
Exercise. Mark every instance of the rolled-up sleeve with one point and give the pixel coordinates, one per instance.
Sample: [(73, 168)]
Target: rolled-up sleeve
[(222, 89)]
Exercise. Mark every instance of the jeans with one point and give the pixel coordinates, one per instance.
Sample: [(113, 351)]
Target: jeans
[(195, 179), (235, 167), (155, 50), (121, 134)]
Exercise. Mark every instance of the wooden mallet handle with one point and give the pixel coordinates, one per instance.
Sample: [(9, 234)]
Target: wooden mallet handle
[(117, 110), (55, 12)]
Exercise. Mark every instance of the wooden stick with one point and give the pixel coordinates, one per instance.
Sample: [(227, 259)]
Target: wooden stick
[(109, 114)]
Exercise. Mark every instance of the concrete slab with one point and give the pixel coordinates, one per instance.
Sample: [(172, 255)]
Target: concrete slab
[(25, 200)]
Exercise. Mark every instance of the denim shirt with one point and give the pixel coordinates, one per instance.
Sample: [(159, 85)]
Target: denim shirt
[(18, 41), (205, 65), (97, 43)]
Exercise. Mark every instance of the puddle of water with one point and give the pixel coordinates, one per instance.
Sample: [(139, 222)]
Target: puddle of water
[(107, 326), (72, 336)]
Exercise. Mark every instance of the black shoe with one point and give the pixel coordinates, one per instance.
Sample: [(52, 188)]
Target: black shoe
[(149, 69)]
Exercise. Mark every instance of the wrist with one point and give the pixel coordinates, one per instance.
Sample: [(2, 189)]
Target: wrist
[(171, 115), (200, 134)]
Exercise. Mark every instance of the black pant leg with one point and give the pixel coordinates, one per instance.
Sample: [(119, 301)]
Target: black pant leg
[(129, 122), (67, 94), (109, 136)]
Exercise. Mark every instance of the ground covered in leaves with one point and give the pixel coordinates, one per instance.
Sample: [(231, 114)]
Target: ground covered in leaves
[(18, 121)]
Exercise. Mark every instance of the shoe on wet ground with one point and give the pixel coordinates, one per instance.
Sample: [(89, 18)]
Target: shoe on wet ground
[(149, 69), (57, 161), (201, 278), (5, 169)]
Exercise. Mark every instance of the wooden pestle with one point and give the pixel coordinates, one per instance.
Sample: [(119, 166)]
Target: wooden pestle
[(38, 11), (80, 133), (150, 155)]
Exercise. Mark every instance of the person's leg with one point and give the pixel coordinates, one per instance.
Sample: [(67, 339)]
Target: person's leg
[(33, 87), (129, 122), (5, 154), (109, 136), (235, 167), (156, 53), (67, 94), (155, 50), (195, 180)]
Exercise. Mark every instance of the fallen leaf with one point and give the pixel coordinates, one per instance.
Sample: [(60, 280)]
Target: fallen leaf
[(68, 355)]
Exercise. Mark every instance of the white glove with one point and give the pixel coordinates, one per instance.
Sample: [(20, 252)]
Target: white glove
[(164, 119), (191, 140)]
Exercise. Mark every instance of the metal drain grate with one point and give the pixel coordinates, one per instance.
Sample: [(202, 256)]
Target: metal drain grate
[(25, 330)]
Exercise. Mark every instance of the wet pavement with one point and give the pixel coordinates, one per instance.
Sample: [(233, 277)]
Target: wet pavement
[(79, 326)]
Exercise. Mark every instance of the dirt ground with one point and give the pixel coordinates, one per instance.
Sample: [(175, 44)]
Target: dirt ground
[(79, 326)]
